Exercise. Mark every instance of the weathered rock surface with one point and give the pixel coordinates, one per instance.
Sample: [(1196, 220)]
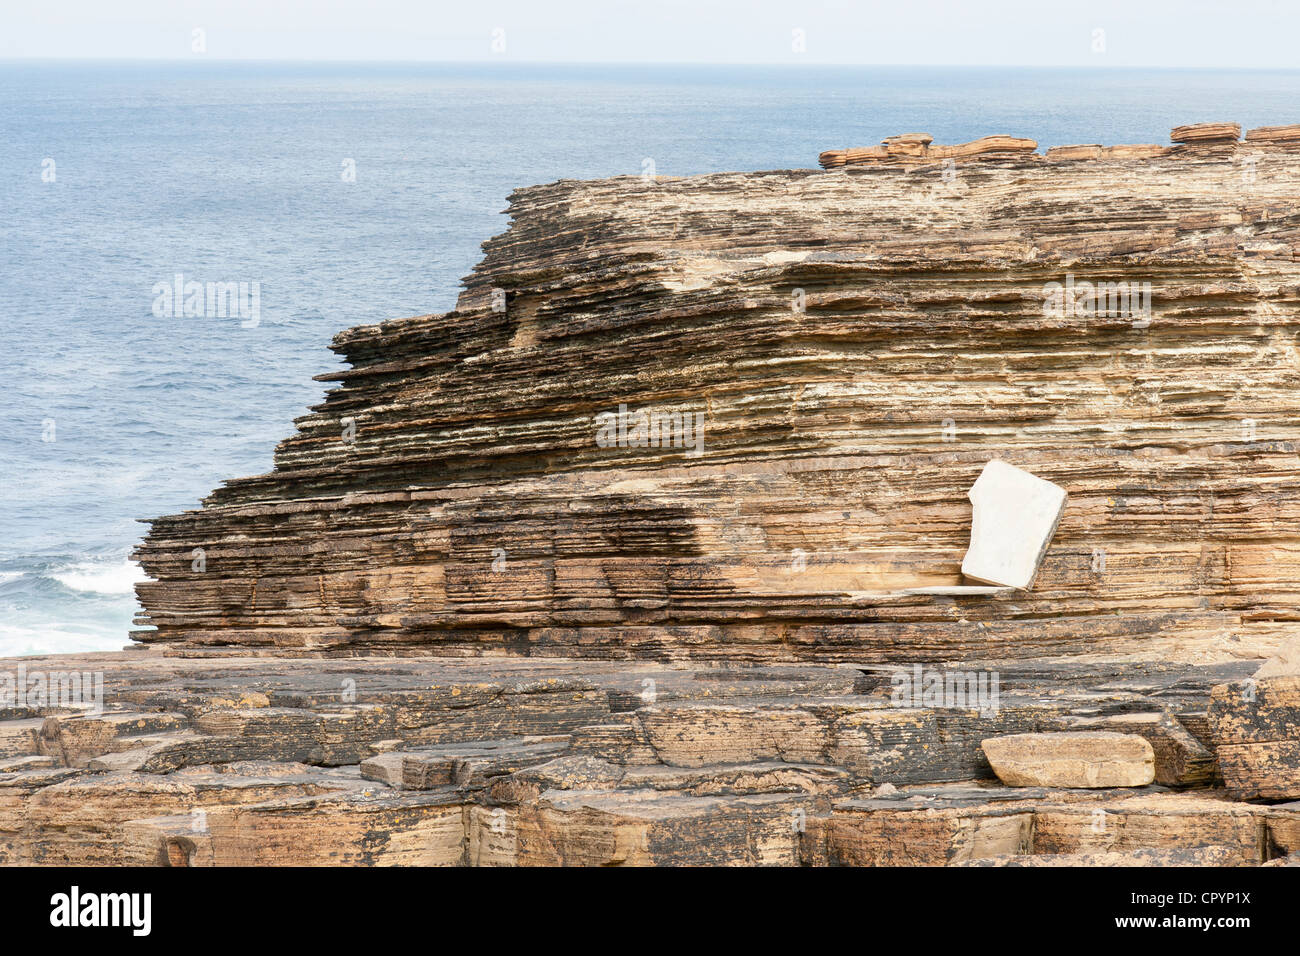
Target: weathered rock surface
[(1256, 728), (1207, 133), (207, 760), (1181, 760), (1274, 135), (1075, 759)]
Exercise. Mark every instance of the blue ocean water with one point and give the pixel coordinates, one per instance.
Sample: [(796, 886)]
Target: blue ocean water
[(116, 176)]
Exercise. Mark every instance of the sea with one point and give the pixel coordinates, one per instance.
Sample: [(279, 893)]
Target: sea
[(346, 193)]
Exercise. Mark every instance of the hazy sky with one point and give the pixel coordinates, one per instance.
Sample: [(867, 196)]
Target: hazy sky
[(1190, 33)]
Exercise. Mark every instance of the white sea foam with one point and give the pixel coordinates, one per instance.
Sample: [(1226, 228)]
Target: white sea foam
[(21, 641), (100, 577)]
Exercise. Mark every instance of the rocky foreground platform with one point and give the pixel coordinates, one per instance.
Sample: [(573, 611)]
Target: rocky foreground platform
[(221, 760)]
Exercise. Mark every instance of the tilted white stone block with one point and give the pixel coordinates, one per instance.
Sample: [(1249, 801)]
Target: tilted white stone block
[(1014, 515)]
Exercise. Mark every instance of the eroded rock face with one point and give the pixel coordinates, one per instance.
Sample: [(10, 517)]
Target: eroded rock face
[(827, 360), (683, 449), (1078, 759)]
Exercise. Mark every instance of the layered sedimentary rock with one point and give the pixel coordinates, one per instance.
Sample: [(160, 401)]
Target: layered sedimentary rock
[(920, 147), (1206, 133), (1274, 135), (650, 551), (916, 148), (1255, 725), (736, 417)]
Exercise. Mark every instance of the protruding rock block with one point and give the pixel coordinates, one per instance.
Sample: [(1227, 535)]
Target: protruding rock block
[(1274, 135), (384, 768), (908, 144), (1255, 725), (1206, 133), (924, 139), (1014, 515), (1181, 760), (475, 763), (1071, 759)]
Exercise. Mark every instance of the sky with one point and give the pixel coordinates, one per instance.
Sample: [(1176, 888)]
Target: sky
[(1101, 33)]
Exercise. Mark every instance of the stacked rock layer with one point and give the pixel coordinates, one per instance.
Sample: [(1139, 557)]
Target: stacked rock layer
[(830, 359)]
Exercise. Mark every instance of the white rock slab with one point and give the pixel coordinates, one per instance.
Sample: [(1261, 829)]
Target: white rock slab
[(1014, 515)]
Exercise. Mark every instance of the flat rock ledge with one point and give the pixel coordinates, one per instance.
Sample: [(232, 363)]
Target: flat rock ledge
[(257, 760), (1081, 759)]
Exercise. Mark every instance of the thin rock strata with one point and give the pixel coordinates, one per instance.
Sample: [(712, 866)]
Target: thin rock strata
[(650, 551), (829, 360)]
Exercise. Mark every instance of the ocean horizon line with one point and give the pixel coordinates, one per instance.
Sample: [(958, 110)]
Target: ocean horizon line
[(204, 60)]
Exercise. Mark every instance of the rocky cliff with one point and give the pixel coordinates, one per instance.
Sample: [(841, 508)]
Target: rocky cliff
[(735, 417)]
